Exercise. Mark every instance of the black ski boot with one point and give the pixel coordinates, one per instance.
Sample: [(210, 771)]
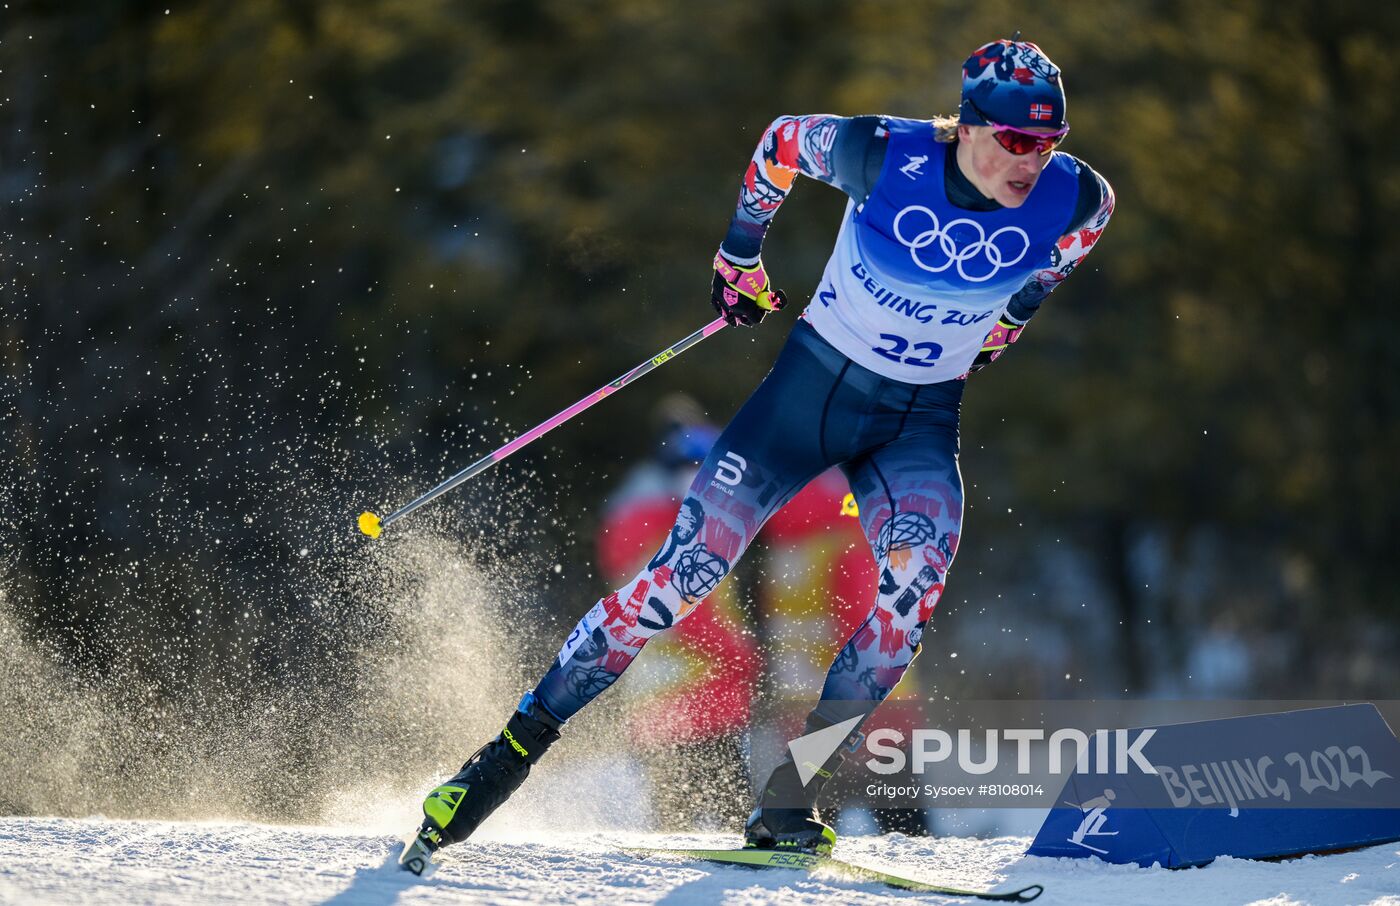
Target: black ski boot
[(455, 809), (786, 815)]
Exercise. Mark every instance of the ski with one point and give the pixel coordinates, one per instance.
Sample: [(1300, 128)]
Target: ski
[(772, 858), (417, 856)]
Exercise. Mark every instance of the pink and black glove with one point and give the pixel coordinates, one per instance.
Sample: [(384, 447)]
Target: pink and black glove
[(741, 294), (1002, 336)]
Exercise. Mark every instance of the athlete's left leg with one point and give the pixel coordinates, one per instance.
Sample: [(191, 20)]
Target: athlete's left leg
[(909, 493), (910, 497)]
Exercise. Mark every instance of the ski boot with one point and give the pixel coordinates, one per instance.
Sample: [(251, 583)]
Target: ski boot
[(455, 809), (786, 815)]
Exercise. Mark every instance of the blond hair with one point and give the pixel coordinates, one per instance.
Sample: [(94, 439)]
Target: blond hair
[(945, 129)]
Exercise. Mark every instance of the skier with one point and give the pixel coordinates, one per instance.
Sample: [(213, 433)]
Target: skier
[(956, 230)]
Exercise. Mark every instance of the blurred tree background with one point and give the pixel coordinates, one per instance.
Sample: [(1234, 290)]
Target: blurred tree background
[(267, 263)]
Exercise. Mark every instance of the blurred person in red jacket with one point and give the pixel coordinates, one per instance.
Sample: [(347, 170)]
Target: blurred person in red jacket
[(688, 704)]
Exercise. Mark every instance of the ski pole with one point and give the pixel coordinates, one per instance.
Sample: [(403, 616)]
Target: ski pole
[(372, 525)]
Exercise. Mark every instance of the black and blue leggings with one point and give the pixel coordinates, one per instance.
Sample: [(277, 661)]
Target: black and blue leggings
[(897, 444)]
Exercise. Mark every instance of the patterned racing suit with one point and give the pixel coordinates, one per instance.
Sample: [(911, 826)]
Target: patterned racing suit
[(870, 380)]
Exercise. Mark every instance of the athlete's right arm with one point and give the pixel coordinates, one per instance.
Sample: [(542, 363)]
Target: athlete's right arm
[(845, 152)]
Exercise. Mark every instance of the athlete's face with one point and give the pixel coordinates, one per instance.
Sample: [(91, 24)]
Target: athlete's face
[(1004, 177)]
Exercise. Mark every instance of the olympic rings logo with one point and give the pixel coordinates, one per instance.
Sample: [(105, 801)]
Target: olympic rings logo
[(983, 248)]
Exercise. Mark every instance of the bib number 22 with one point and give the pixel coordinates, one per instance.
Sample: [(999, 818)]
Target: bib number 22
[(895, 346)]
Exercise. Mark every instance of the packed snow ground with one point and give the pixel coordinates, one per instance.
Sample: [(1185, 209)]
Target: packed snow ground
[(99, 861)]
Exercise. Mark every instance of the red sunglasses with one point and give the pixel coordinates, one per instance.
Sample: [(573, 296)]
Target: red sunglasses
[(1021, 141)]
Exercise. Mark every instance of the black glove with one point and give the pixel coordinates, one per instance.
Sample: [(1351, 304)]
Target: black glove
[(741, 294)]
